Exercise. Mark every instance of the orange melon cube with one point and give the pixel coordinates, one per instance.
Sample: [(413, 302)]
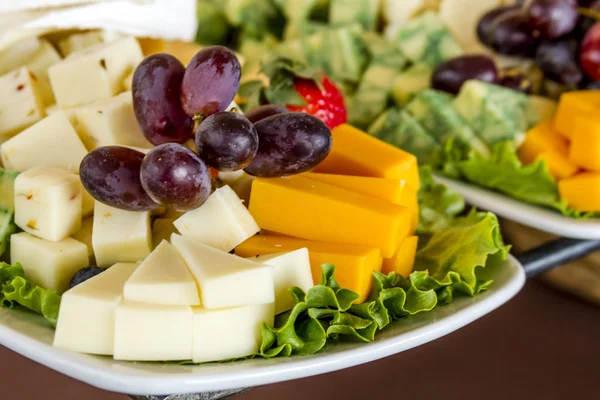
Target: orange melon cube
[(585, 143), (540, 139), (558, 165), (575, 104), (581, 191)]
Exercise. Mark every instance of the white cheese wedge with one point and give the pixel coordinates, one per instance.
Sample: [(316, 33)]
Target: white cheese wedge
[(84, 235), (225, 280), (221, 222), (162, 229), (120, 235), (51, 141), (86, 320), (163, 278), (79, 41), (95, 73), (50, 265), (21, 103), (48, 202), (153, 332), (229, 332), (289, 270), (110, 122)]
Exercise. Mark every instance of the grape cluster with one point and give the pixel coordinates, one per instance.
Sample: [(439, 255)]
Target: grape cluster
[(169, 101), (557, 34)]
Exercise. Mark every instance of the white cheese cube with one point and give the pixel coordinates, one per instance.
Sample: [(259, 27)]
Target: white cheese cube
[(51, 141), (110, 122), (84, 235), (225, 280), (19, 54), (128, 81), (94, 73), (162, 229), (69, 113), (44, 58), (79, 41), (86, 320), (230, 332), (163, 278), (289, 269), (153, 332), (50, 265), (48, 202), (221, 222), (87, 203), (21, 103), (120, 235)]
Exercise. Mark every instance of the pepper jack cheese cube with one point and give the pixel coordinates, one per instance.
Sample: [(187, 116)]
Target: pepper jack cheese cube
[(540, 139), (153, 332), (110, 122), (225, 280), (357, 153), (289, 270), (403, 261), (581, 191), (84, 235), (354, 265), (51, 141), (21, 103), (94, 73), (230, 332), (221, 222), (86, 320), (163, 278), (48, 202), (328, 213), (50, 265), (120, 235), (585, 143)]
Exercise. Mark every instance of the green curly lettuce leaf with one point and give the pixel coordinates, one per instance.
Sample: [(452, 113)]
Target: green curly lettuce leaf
[(438, 204)]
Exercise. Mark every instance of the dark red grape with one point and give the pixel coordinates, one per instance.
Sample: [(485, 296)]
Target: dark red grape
[(265, 111), (289, 144), (210, 82), (510, 34), (450, 75), (590, 52), (558, 62), (484, 27), (176, 177), (156, 90), (111, 174), (226, 141), (552, 18), (589, 85), (84, 274), (515, 79)]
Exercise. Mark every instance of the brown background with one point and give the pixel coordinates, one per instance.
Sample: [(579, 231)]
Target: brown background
[(542, 345)]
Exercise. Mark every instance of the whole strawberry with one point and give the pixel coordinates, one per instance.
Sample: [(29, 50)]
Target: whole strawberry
[(299, 89)]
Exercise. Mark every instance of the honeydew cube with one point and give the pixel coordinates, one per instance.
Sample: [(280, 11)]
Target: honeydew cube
[(21, 103), (120, 235), (79, 41), (51, 141), (84, 235), (50, 265), (289, 270), (94, 73), (48, 202), (110, 122), (230, 332), (163, 278), (153, 332), (162, 229), (86, 320), (225, 280), (221, 222)]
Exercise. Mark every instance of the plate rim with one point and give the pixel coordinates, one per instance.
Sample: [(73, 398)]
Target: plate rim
[(81, 367), (524, 213)]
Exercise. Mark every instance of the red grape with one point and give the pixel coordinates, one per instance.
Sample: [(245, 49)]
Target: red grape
[(289, 144), (510, 34), (450, 75), (484, 27), (515, 79), (226, 141), (265, 111), (111, 174), (176, 177), (590, 52), (157, 100), (210, 82), (552, 18), (558, 61)]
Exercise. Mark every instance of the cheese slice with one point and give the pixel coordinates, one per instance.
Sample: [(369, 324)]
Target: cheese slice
[(229, 332), (308, 209), (163, 278), (225, 280), (221, 222), (50, 265)]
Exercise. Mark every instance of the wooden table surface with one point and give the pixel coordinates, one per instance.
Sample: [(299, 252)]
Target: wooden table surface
[(542, 345)]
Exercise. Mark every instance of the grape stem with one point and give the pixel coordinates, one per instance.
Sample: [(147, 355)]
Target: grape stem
[(198, 118), (590, 13)]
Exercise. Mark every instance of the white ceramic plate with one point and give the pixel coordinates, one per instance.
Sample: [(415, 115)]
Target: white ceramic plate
[(30, 336), (515, 210)]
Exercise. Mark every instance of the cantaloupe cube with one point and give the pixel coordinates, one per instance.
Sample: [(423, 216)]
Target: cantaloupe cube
[(585, 143), (572, 105), (582, 191), (559, 165), (540, 139), (403, 261)]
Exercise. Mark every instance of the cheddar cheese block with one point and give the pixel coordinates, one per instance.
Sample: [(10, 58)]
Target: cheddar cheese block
[(581, 191), (573, 105), (403, 261), (355, 152), (328, 213), (540, 139), (585, 143), (354, 265)]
